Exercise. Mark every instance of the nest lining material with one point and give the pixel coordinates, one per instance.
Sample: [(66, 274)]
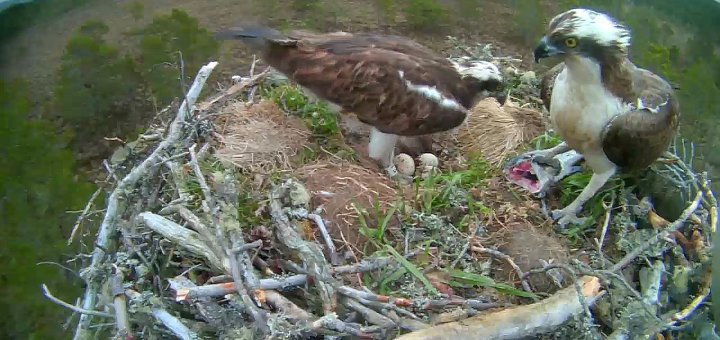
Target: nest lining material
[(337, 186), (260, 136), (496, 131)]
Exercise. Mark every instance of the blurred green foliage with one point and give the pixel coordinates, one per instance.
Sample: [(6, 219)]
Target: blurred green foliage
[(386, 11), (137, 9), (530, 20), (96, 85), (19, 17), (426, 15), (39, 184), (162, 44)]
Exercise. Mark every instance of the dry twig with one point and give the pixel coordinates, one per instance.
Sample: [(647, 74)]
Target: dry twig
[(509, 260), (310, 253), (76, 309), (661, 235)]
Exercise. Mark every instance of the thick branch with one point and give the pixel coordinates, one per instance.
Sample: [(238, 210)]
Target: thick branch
[(516, 322), (186, 238), (310, 253)]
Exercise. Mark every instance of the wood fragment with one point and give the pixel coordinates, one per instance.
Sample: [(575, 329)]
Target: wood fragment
[(516, 322), (334, 258), (208, 309), (186, 238), (120, 305), (168, 320), (369, 315), (286, 306), (310, 253)]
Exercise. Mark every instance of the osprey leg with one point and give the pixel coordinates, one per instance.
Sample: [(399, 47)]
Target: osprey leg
[(550, 152), (382, 149), (568, 215)]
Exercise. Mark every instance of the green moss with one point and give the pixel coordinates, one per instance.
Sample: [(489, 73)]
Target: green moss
[(320, 119)]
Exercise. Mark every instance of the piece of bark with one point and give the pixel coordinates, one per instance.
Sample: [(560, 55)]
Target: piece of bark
[(186, 238), (516, 322)]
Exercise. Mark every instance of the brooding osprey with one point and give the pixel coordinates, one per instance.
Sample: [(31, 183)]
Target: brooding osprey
[(617, 115), (391, 83)]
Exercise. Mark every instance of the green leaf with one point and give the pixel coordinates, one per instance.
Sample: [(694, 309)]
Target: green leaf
[(481, 280), (412, 269)]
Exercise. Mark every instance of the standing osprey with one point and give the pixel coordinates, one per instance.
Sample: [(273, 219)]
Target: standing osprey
[(617, 115), (391, 83)]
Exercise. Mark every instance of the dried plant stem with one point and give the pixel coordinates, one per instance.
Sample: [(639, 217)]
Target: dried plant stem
[(83, 215), (606, 224), (76, 309), (120, 304)]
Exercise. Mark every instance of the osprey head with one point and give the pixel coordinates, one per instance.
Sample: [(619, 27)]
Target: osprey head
[(483, 74), (584, 32)]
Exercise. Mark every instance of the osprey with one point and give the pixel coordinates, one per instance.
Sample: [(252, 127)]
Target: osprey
[(397, 86), (617, 115)]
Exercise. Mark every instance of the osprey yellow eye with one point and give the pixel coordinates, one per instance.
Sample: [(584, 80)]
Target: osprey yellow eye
[(571, 42)]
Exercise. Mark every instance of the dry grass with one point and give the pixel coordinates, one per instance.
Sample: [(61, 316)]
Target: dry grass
[(260, 137), (495, 131), (336, 187)]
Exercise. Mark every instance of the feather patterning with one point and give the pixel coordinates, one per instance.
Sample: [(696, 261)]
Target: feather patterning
[(617, 115), (391, 83)]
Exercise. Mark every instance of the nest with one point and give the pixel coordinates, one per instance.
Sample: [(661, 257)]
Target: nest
[(260, 136), (235, 274), (337, 187), (495, 131)]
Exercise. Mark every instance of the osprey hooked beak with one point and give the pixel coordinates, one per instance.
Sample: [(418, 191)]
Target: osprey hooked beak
[(545, 49)]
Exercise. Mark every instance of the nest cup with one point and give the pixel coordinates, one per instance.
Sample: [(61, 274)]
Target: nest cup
[(260, 137)]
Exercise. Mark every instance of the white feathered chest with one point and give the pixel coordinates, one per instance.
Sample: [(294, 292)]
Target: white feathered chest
[(581, 106)]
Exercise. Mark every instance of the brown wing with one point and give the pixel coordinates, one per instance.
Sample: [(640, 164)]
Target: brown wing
[(547, 82), (366, 80), (338, 40), (638, 137)]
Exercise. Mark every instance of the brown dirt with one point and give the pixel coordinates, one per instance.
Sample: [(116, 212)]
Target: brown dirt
[(336, 186), (260, 137), (528, 245), (518, 228)]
